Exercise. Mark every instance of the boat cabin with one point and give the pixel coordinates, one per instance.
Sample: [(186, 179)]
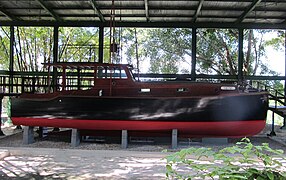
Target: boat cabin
[(103, 79)]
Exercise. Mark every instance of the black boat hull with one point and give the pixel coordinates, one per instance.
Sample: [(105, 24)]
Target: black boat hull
[(216, 116)]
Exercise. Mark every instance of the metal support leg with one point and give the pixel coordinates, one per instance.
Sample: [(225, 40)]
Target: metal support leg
[(174, 138), (28, 135), (75, 138), (272, 133), (124, 139), (284, 124)]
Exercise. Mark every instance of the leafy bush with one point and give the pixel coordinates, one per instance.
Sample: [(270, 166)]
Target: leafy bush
[(241, 161)]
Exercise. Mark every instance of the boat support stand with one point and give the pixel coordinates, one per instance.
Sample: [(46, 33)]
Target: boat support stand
[(28, 135), (75, 138)]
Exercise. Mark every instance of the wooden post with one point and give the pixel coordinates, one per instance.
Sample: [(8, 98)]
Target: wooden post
[(11, 57), (284, 119), (101, 44), (55, 56), (194, 53), (240, 55), (1, 133), (64, 81)]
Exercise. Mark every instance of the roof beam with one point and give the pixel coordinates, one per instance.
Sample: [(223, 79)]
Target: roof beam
[(95, 7), (49, 10), (198, 10), (147, 10), (249, 9), (7, 14), (146, 25)]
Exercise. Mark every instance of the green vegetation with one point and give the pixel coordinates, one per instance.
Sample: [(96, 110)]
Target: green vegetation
[(168, 50), (241, 161)]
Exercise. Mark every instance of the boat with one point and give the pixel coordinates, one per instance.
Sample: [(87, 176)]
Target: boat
[(116, 100)]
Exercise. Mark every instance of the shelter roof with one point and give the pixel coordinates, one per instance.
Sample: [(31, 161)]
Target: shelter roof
[(146, 13)]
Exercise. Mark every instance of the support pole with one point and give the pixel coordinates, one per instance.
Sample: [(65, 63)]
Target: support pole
[(124, 139), (1, 133), (28, 135), (272, 133), (55, 56), (174, 138), (240, 55), (101, 44), (75, 138), (11, 62), (194, 54), (284, 122)]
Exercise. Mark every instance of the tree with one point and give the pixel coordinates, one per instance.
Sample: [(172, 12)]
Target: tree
[(78, 44), (169, 49), (33, 46), (4, 47), (217, 51)]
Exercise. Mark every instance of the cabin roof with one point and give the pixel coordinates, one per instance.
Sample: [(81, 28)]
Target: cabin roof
[(82, 65)]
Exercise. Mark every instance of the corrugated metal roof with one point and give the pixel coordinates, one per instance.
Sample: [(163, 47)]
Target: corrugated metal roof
[(267, 12)]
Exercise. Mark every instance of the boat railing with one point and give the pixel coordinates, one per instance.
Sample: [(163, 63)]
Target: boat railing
[(41, 83)]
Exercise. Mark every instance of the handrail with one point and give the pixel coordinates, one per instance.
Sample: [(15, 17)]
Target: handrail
[(278, 98), (273, 93)]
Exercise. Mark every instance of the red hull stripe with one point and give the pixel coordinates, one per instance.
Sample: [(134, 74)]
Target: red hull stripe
[(192, 129)]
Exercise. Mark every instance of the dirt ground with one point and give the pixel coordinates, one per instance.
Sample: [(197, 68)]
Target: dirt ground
[(52, 157)]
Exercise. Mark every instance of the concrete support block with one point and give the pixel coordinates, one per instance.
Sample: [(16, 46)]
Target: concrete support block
[(174, 138), (28, 135), (75, 138), (214, 140), (124, 139), (43, 132)]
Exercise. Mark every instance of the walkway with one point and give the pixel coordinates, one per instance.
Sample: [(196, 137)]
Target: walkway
[(44, 163)]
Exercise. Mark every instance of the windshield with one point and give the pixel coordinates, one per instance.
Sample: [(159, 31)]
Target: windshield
[(133, 72)]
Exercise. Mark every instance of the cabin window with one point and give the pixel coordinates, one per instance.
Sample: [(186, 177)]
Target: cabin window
[(182, 90), (145, 90), (119, 73), (123, 73), (228, 88), (114, 72), (101, 72)]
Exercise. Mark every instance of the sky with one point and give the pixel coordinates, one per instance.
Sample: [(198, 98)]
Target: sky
[(276, 59)]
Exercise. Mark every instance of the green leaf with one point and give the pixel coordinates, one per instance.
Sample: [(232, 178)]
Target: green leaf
[(169, 168), (270, 175)]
